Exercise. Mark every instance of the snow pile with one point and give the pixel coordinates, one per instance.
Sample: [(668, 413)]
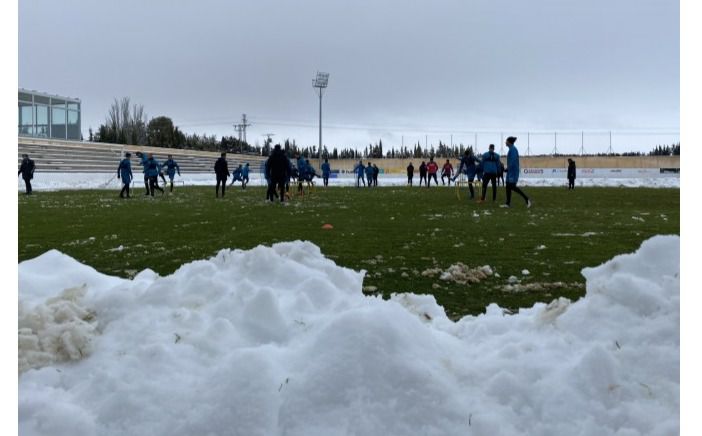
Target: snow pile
[(58, 181), (56, 331), (281, 341)]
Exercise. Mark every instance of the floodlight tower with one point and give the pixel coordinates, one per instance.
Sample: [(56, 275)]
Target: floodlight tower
[(320, 83)]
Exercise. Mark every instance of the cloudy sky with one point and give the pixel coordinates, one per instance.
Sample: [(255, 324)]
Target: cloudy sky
[(399, 70)]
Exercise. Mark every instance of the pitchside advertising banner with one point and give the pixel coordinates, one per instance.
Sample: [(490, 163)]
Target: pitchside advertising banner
[(614, 173)]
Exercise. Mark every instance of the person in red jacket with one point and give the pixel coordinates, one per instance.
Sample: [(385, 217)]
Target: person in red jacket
[(432, 168), (446, 171)]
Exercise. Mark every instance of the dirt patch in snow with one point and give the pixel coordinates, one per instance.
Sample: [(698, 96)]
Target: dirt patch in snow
[(460, 273)]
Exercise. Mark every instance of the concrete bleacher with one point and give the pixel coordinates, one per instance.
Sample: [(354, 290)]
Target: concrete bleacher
[(52, 155)]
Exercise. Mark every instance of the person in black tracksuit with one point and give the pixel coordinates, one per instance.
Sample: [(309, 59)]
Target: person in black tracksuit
[(222, 172), (278, 172), (422, 173), (571, 174), (27, 170), (410, 173)]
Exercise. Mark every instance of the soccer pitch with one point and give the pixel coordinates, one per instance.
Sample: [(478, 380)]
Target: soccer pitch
[(408, 239)]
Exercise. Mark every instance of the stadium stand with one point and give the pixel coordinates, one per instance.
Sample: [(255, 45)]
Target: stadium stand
[(52, 155)]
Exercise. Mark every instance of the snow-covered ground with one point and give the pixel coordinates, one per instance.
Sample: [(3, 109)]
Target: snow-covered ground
[(281, 341), (56, 181)]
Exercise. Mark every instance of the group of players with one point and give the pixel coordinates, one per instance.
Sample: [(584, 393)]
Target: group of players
[(152, 168), (487, 168), (279, 170)]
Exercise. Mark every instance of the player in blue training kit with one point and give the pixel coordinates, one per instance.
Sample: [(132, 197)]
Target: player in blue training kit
[(124, 172), (171, 168)]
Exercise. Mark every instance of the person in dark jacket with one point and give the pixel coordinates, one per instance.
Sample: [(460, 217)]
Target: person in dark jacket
[(171, 168), (278, 171), (326, 171), (376, 171), (27, 168), (369, 175), (513, 173), (571, 174), (124, 172), (245, 176), (222, 172), (270, 189), (422, 173), (500, 173), (469, 168), (432, 168), (490, 164), (152, 169), (446, 171), (410, 173)]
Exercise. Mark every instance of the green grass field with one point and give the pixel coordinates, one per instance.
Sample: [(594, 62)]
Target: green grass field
[(393, 233)]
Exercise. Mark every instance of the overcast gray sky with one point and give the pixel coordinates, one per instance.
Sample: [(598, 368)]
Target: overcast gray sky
[(398, 69)]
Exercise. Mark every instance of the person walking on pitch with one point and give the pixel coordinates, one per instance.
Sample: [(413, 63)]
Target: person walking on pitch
[(152, 170), (171, 169), (490, 165), (410, 173), (124, 172), (222, 173), (27, 170), (326, 171), (432, 168), (513, 172), (571, 174)]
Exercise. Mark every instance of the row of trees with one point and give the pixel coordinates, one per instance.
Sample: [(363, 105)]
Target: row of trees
[(127, 123), (666, 150)]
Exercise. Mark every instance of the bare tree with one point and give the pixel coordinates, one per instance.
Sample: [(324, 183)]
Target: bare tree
[(125, 124)]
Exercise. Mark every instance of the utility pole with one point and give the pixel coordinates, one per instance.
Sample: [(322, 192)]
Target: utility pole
[(244, 125), (610, 151), (582, 143), (268, 139), (320, 83), (241, 129), (528, 144), (555, 143)]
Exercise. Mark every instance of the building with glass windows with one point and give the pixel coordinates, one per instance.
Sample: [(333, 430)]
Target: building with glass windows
[(48, 116)]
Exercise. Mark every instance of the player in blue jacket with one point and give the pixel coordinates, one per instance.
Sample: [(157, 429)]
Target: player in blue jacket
[(469, 168), (360, 172), (124, 172), (142, 161), (152, 168), (237, 175), (171, 168), (490, 165), (513, 173), (301, 172), (326, 170)]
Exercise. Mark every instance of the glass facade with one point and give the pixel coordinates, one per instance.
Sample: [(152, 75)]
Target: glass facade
[(47, 116)]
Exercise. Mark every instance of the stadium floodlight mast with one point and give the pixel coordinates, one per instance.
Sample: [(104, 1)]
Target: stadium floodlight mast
[(320, 83)]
